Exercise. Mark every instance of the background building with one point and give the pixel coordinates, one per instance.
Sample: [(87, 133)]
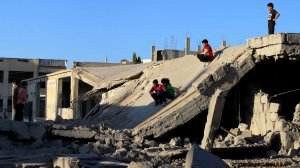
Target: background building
[(13, 69)]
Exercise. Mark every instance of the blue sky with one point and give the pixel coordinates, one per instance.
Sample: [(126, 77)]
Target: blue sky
[(88, 30)]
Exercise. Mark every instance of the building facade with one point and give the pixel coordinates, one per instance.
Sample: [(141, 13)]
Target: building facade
[(14, 69)]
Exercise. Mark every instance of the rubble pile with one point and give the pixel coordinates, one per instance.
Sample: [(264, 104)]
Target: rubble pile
[(84, 144), (267, 127), (126, 129)]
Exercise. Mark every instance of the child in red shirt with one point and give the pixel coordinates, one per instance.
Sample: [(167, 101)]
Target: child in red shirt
[(207, 52)]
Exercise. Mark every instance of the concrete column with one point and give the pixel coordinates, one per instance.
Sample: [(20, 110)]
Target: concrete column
[(152, 53), (224, 43), (36, 100), (187, 46), (74, 96), (214, 117), (198, 47), (36, 67), (6, 91)]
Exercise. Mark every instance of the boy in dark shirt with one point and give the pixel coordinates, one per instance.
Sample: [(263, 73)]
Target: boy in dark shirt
[(273, 16)]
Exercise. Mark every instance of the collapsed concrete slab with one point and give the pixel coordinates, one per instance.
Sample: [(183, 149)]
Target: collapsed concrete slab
[(223, 73), (198, 157)]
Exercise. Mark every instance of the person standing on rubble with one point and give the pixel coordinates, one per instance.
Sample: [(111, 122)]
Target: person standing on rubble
[(15, 96), (22, 98), (206, 54), (156, 92), (272, 17)]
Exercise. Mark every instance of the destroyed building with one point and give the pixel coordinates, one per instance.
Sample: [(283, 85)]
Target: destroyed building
[(242, 107), (167, 54), (13, 69)]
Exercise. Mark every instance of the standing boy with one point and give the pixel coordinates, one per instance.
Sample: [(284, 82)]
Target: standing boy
[(22, 98), (273, 16)]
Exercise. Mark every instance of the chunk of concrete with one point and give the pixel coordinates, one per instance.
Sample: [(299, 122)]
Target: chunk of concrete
[(21, 130), (274, 117), (65, 162), (286, 140), (84, 149), (293, 38), (37, 131), (265, 41), (243, 127), (247, 134), (175, 141), (74, 134), (274, 107), (264, 99), (197, 157), (213, 118), (236, 131), (140, 165), (5, 125)]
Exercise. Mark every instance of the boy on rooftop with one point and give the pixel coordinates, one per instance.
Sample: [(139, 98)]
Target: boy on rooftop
[(273, 16), (206, 54)]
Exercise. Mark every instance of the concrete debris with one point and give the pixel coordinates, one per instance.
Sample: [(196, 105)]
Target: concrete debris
[(175, 141), (126, 129), (198, 157), (21, 130), (140, 164)]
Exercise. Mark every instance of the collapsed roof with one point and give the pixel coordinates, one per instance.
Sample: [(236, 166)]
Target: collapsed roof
[(130, 106)]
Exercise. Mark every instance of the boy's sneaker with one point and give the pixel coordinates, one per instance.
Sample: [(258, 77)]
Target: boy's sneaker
[(206, 63)]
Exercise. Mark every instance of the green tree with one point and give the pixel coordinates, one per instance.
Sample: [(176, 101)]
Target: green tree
[(134, 58), (139, 60)]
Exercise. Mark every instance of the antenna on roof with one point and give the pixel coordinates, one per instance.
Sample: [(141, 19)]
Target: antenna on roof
[(106, 59)]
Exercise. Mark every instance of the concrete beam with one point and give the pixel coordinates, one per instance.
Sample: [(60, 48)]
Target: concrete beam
[(74, 96), (214, 117)]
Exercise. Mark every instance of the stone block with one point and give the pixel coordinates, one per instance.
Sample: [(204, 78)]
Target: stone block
[(221, 73), (274, 39), (293, 38), (274, 107), (274, 117), (291, 50), (5, 125), (297, 108), (140, 164), (247, 134), (84, 149), (243, 127), (175, 141), (280, 125), (254, 42), (264, 99), (273, 50), (74, 134), (21, 130), (266, 41), (297, 144), (65, 162), (37, 131), (236, 131), (286, 140), (150, 143)]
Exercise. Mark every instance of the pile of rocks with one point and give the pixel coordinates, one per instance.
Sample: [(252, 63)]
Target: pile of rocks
[(79, 143)]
